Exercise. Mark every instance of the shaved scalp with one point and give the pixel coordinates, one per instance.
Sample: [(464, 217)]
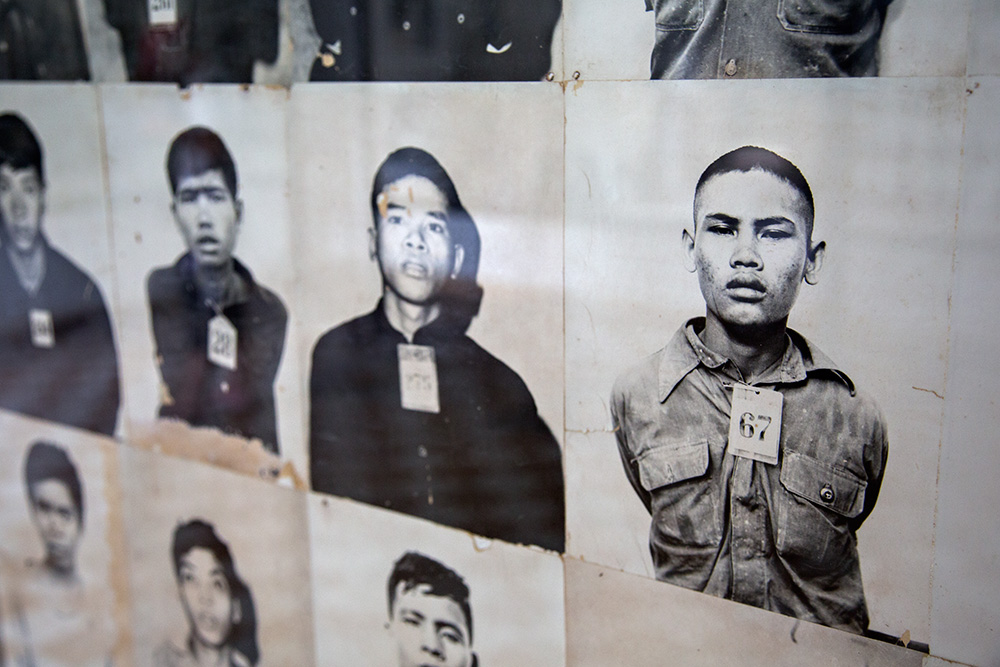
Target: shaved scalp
[(749, 158)]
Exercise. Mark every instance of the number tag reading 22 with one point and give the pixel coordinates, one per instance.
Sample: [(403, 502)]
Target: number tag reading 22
[(755, 423), (222, 339)]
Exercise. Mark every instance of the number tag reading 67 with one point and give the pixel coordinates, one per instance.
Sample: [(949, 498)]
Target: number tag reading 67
[(755, 423)]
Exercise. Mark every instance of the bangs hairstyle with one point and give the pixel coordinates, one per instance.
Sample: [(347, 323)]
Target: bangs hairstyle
[(748, 158), (197, 150), (415, 569), (198, 534), (461, 295), (19, 147), (46, 461)]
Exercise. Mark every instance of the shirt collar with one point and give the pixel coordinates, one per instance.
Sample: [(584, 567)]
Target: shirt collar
[(686, 351)]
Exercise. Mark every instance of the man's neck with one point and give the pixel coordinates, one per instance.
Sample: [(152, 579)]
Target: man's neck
[(754, 350), (405, 317), (29, 266), (220, 285), (62, 569)]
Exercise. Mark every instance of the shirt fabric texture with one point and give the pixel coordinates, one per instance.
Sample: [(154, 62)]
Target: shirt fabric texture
[(486, 462), (239, 401), (761, 39), (438, 40), (781, 537), (75, 381)]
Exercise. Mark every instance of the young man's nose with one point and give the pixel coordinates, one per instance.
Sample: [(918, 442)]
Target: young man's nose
[(745, 253), (415, 240)]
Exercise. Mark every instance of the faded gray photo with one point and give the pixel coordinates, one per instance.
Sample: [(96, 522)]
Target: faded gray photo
[(755, 454)]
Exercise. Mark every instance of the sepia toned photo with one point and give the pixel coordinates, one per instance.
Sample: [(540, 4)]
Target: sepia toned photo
[(61, 601), (204, 262), (738, 390), (221, 561), (395, 590), (435, 403)]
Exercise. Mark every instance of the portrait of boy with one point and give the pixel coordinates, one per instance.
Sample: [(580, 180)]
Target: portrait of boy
[(755, 454)]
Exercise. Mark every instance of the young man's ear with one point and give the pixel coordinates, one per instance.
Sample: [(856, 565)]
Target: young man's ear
[(814, 262), (687, 238), (459, 258)]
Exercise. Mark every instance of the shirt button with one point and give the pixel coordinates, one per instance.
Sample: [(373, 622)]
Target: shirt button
[(461, 18), (827, 494), (224, 386), (731, 67), (406, 25)]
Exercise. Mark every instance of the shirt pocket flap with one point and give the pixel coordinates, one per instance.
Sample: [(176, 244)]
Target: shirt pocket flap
[(823, 484), (669, 464)]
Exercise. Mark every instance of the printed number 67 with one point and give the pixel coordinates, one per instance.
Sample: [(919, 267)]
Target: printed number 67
[(750, 422)]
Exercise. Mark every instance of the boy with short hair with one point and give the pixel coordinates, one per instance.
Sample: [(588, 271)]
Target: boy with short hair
[(753, 452)]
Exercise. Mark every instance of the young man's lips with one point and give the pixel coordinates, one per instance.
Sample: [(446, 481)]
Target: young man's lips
[(746, 288), (415, 269)]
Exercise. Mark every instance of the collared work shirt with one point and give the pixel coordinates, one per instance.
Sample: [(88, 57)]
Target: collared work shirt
[(763, 39), (781, 537)]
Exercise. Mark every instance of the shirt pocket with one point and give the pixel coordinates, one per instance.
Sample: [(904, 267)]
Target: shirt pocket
[(817, 502), (832, 17), (679, 14), (683, 501)]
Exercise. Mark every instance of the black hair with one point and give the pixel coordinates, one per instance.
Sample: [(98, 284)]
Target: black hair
[(19, 147), (461, 295), (48, 461), (197, 150), (415, 569), (748, 158), (198, 534)]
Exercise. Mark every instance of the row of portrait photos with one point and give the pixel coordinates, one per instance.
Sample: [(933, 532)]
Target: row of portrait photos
[(291, 41), (513, 311)]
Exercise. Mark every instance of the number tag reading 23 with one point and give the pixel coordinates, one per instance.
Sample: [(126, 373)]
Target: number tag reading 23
[(755, 423), (222, 339)]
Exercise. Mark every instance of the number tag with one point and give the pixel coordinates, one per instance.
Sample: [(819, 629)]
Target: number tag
[(418, 378), (162, 13), (43, 334), (755, 423), (222, 339)]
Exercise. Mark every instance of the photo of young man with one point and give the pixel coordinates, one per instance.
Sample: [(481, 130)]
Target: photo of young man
[(57, 350), (407, 412), (50, 613), (430, 618), (755, 454), (219, 333)]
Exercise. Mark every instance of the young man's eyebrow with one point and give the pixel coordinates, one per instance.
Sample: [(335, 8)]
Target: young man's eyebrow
[(721, 217), (773, 220)]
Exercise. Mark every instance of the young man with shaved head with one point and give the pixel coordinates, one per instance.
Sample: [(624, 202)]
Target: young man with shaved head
[(754, 453)]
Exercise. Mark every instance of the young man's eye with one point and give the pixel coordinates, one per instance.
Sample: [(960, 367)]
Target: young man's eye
[(775, 234), (722, 230), (410, 620), (436, 227), (215, 197), (186, 197), (394, 219), (452, 637)]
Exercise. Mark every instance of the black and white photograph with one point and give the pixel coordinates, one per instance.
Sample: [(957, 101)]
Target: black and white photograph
[(745, 416), (58, 358), (441, 40), (736, 39), (61, 601), (667, 624), (394, 590), (203, 243), (220, 562), (443, 401)]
